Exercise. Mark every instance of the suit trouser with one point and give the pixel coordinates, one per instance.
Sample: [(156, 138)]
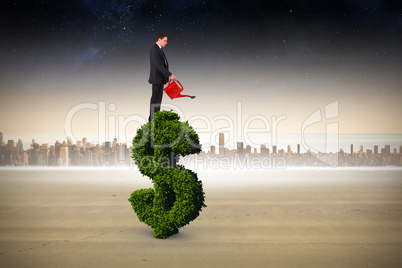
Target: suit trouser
[(156, 100)]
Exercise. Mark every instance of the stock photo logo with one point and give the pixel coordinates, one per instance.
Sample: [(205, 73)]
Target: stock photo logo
[(322, 146)]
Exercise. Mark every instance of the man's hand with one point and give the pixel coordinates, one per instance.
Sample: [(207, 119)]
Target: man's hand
[(172, 77)]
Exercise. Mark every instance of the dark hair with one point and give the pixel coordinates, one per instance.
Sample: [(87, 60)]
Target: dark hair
[(160, 36)]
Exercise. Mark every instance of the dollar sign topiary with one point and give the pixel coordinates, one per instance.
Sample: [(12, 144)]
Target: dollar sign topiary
[(177, 197)]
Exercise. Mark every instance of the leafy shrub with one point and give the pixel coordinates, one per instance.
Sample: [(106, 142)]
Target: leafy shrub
[(177, 197)]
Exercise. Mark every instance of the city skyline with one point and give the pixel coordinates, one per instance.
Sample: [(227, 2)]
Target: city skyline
[(315, 141), (112, 153)]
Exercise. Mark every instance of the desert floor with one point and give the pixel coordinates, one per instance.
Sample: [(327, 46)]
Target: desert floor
[(269, 218)]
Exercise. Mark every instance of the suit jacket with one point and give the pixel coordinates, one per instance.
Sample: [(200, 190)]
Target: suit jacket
[(159, 73)]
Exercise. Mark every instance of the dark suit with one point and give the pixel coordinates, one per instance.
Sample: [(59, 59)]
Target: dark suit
[(158, 76)]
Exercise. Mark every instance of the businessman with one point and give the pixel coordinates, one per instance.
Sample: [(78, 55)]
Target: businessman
[(159, 73)]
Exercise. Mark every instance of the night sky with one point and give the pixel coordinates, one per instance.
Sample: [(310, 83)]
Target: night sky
[(282, 57), (84, 35)]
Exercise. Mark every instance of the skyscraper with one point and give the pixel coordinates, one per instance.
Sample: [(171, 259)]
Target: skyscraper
[(1, 139), (20, 150), (64, 160), (122, 152), (240, 148), (221, 143), (213, 149), (115, 143), (57, 147), (84, 142), (361, 151), (387, 150)]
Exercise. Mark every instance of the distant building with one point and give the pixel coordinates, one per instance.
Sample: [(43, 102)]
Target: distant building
[(57, 152), (122, 152), (387, 150), (264, 151), (240, 148), (107, 144), (213, 150), (221, 143), (115, 144), (63, 161)]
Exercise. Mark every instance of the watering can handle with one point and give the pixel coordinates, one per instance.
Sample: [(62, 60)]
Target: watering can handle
[(171, 81)]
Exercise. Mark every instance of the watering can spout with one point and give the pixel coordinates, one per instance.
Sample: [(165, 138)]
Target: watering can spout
[(174, 88)]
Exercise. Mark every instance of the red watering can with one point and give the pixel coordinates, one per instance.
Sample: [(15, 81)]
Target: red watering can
[(174, 88)]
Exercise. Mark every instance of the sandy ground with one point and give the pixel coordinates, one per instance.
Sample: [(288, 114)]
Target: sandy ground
[(292, 218)]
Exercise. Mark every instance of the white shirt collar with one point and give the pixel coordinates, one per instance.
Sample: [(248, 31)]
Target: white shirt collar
[(158, 45)]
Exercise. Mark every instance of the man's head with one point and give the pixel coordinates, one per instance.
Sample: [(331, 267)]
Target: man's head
[(161, 39)]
